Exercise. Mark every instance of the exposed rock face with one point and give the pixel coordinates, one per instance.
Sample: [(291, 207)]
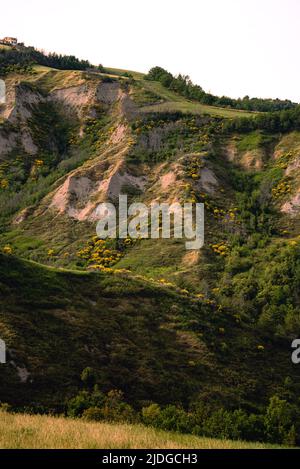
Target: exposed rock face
[(292, 207), (293, 166), (17, 111), (167, 180), (208, 181), (249, 160), (118, 134), (113, 185), (82, 191), (10, 97), (108, 93), (75, 98), (74, 192), (23, 215), (7, 142), (27, 142), (25, 100)]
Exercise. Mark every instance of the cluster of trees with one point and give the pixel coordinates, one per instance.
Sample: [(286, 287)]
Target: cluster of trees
[(272, 122), (278, 423), (183, 85), (27, 56)]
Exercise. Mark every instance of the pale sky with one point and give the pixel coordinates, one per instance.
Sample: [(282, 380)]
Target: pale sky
[(229, 47)]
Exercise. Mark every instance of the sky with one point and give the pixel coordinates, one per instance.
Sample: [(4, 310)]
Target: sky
[(229, 47)]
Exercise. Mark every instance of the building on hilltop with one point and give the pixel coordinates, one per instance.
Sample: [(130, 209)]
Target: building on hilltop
[(10, 41)]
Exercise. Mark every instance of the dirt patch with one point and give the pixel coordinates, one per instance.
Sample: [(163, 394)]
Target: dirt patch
[(252, 159), (119, 133), (28, 144), (84, 189), (292, 167), (191, 258), (231, 152), (249, 160), (108, 93), (112, 186), (167, 180), (24, 101), (7, 143), (75, 98), (23, 215), (208, 181), (73, 196), (292, 207)]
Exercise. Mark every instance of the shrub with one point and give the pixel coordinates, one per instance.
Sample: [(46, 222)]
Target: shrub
[(279, 419), (151, 415), (85, 400), (175, 419), (93, 413), (78, 404), (116, 410)]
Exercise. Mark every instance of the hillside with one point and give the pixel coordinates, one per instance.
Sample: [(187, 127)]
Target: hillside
[(160, 323), (141, 337), (173, 102)]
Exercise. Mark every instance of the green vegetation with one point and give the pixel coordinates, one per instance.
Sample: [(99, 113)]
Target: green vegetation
[(184, 86), (253, 141), (279, 424), (23, 431), (21, 58), (53, 321), (143, 331), (272, 122), (174, 102)]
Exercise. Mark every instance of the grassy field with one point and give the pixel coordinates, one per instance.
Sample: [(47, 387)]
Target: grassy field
[(174, 102), (19, 431)]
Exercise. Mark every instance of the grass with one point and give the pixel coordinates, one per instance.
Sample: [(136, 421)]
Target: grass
[(4, 46), (21, 431), (174, 102), (43, 68), (121, 72), (289, 142), (50, 79), (253, 141), (106, 329)]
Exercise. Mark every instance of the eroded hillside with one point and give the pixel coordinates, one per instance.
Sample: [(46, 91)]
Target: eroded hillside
[(70, 140)]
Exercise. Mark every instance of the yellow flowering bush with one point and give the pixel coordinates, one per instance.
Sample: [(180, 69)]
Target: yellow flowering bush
[(281, 189), (7, 250), (220, 248)]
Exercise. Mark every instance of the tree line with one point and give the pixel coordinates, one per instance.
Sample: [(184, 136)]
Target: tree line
[(25, 57), (183, 85), (277, 422), (271, 122)]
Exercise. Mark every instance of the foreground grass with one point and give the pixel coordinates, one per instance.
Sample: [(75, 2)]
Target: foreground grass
[(19, 431)]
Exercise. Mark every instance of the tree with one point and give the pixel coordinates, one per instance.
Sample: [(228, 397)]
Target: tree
[(88, 377), (279, 420)]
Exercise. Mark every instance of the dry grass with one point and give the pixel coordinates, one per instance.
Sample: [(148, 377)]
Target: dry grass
[(27, 431)]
